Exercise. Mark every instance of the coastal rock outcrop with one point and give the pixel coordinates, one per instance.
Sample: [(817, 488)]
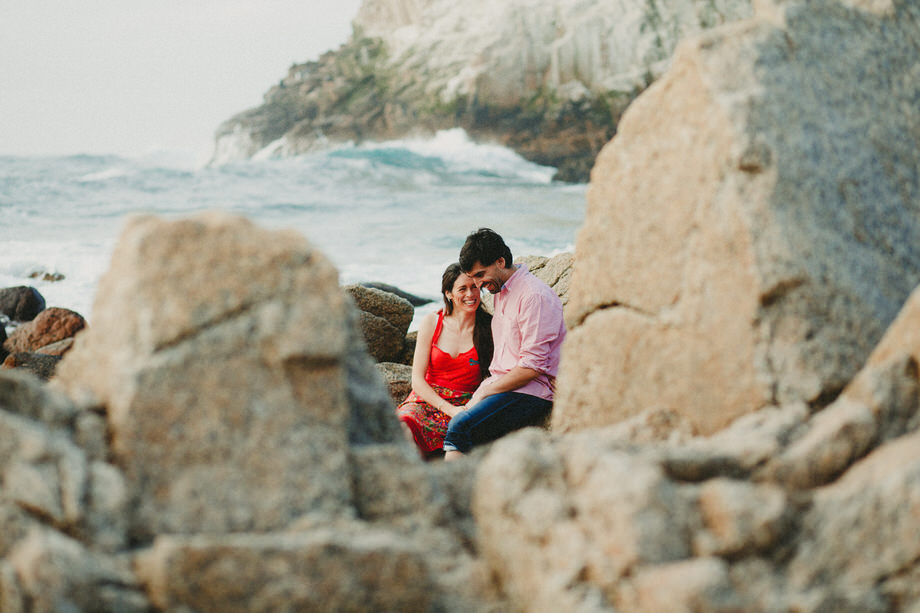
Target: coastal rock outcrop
[(753, 228), (784, 510), (224, 442), (266, 308), (385, 319), (548, 79)]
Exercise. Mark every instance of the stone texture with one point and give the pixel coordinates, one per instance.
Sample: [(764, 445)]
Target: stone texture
[(38, 364), (43, 472), (579, 515), (862, 529), (222, 356), (371, 417), (21, 303), (702, 584), (322, 570), (51, 572), (740, 518), (398, 378), (385, 320), (548, 78), (57, 348), (414, 300), (744, 247), (24, 394), (49, 326)]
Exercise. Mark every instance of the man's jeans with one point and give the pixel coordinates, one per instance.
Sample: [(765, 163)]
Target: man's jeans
[(493, 417)]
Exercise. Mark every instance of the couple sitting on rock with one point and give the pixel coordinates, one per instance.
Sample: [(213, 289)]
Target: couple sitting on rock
[(476, 377)]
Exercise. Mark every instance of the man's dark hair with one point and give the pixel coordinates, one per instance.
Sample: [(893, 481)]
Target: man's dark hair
[(484, 246)]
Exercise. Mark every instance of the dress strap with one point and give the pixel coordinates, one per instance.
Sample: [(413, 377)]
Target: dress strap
[(438, 328)]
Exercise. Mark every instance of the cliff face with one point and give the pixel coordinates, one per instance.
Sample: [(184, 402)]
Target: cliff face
[(549, 78)]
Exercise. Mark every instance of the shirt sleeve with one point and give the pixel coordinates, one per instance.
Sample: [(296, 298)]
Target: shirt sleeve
[(542, 325)]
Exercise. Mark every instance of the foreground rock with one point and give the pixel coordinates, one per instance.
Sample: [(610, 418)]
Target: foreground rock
[(549, 79), (782, 511), (744, 247), (227, 444), (260, 311)]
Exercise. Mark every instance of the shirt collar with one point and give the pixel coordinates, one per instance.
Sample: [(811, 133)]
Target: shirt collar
[(522, 269)]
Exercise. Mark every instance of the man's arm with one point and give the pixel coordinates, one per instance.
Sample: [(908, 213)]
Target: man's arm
[(508, 382)]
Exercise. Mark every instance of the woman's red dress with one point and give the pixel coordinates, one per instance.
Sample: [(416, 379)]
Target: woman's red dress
[(454, 380)]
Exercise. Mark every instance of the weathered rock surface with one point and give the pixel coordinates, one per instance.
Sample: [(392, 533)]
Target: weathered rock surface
[(39, 364), (744, 246), (385, 319), (549, 79), (350, 569), (57, 348), (226, 386), (21, 303), (49, 326), (386, 287), (255, 461), (398, 378)]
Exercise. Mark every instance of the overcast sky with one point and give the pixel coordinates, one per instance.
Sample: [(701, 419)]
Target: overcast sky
[(137, 76)]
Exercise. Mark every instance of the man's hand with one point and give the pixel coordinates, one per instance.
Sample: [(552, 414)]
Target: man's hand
[(450, 409)]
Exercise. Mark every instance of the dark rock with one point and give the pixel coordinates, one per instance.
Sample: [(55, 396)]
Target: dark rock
[(39, 364), (412, 298), (408, 353), (21, 303)]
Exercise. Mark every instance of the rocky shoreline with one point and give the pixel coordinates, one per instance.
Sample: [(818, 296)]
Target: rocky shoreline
[(737, 419), (550, 80)]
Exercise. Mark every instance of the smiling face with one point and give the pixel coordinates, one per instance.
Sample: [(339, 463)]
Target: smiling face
[(464, 294), (491, 277)]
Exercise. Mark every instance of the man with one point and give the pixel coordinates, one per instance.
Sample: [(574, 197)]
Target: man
[(528, 330)]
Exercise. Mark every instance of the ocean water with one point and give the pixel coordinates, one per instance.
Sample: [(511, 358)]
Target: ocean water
[(394, 212)]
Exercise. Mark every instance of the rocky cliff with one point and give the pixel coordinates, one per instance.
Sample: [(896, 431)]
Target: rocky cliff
[(747, 404), (548, 78)]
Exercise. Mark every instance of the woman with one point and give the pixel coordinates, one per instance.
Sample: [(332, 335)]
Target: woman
[(452, 356)]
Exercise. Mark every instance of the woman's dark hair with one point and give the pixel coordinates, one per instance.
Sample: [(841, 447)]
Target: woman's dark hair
[(484, 246), (482, 329)]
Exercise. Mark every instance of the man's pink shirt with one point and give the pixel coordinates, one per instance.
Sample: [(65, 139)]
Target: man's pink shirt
[(528, 330)]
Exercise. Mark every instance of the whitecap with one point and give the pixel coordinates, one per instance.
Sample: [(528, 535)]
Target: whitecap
[(105, 175)]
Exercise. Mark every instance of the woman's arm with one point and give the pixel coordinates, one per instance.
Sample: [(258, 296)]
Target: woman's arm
[(420, 365)]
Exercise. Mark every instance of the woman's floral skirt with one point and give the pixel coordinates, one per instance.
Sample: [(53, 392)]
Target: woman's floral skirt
[(428, 424)]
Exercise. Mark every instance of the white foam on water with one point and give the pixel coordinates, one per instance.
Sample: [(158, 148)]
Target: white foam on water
[(459, 153), (105, 175)]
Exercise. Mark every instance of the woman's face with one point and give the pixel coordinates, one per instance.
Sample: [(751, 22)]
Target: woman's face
[(465, 294)]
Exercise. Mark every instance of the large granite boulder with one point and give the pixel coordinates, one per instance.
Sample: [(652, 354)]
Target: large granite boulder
[(753, 228), (781, 511), (221, 353), (548, 78), (384, 321), (225, 442)]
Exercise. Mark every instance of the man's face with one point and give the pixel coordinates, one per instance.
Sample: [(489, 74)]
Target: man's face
[(488, 277)]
